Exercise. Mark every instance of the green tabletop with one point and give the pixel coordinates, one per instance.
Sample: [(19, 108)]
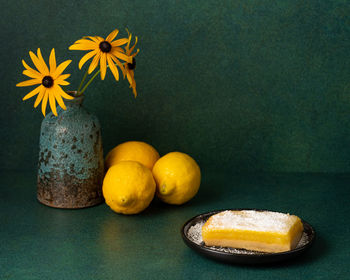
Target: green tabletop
[(38, 242)]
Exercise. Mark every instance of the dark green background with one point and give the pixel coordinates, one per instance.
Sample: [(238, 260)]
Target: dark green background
[(241, 85)]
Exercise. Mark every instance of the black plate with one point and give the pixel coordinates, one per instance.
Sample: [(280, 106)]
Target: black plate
[(240, 255)]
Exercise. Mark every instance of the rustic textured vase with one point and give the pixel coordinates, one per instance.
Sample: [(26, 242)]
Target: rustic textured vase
[(70, 171)]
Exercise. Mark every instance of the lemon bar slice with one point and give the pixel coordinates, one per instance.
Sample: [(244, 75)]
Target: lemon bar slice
[(263, 231)]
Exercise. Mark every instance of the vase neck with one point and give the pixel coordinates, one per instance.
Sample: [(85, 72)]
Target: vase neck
[(77, 101)]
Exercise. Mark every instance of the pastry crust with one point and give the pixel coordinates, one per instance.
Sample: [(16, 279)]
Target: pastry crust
[(253, 230)]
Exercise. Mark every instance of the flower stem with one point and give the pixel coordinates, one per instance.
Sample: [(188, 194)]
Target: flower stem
[(80, 92), (83, 80), (89, 82)]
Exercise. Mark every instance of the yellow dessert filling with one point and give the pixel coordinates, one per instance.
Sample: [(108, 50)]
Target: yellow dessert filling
[(253, 230)]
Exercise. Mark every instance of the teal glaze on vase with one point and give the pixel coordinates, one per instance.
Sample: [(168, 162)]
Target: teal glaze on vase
[(70, 171)]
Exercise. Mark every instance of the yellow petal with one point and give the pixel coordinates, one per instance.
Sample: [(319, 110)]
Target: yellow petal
[(40, 96), (96, 39), (83, 47), (52, 61), (61, 78), (87, 43), (29, 68), (26, 66), (133, 85), (113, 68), (86, 58), (128, 76), (119, 42), (122, 56), (32, 74), (63, 83), (84, 40), (60, 69), (44, 103), (38, 64), (29, 83), (59, 99), (32, 93), (40, 57), (118, 49), (61, 92), (132, 82), (134, 91), (112, 35), (135, 53), (94, 62), (132, 48), (119, 64), (52, 101), (103, 66), (129, 39)]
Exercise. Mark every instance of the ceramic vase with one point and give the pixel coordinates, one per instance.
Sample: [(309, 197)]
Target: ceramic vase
[(70, 169)]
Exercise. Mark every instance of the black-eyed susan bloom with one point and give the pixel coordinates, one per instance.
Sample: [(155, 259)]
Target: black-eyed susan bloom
[(103, 52), (130, 67), (49, 80)]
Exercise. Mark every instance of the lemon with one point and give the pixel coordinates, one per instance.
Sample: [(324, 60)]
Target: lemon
[(128, 187), (177, 176), (133, 150)]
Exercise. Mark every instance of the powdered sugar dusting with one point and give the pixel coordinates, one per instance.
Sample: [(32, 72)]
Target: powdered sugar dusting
[(303, 240), (253, 220), (194, 233)]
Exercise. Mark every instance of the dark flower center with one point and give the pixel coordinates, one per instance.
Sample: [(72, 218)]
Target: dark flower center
[(47, 82), (105, 46), (132, 65)]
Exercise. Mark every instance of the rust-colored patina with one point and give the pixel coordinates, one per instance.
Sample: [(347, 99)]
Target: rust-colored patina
[(71, 169)]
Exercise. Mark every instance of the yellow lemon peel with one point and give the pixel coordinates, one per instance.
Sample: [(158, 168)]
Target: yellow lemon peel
[(177, 176), (133, 150), (128, 187)]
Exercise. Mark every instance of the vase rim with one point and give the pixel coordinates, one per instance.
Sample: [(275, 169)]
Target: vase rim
[(77, 99), (73, 93)]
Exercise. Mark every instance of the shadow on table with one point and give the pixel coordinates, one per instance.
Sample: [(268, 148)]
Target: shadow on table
[(208, 194), (320, 249)]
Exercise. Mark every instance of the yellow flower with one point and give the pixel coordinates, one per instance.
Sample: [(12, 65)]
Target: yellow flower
[(103, 51), (130, 67), (49, 80)]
